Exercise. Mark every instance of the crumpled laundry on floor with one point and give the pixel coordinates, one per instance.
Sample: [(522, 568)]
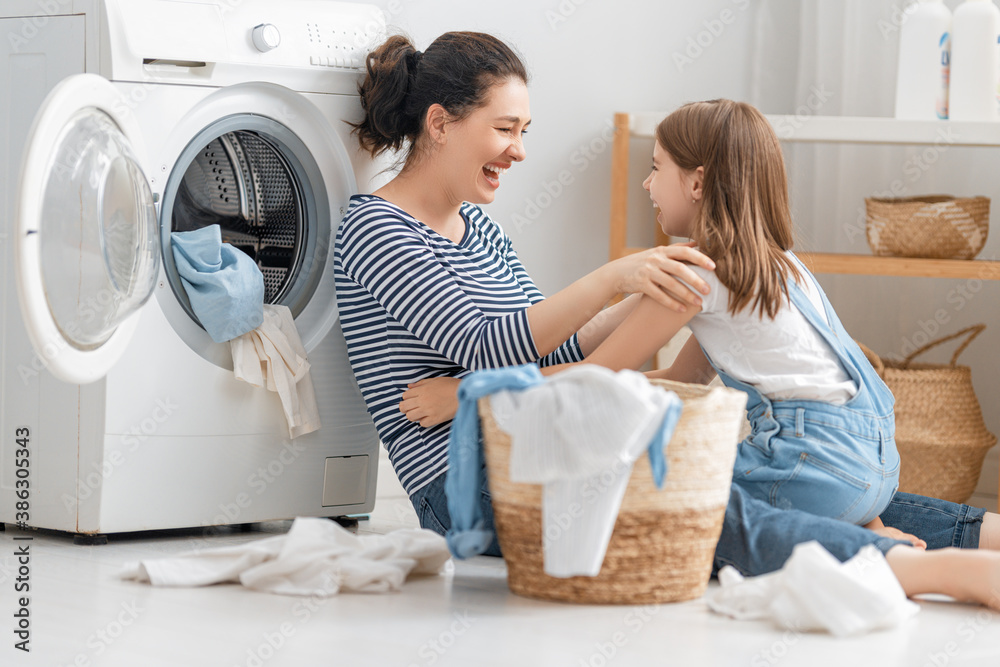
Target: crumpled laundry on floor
[(272, 356), (816, 592), (317, 557)]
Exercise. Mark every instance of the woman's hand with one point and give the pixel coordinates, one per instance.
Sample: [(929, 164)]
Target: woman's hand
[(658, 273), (431, 401)]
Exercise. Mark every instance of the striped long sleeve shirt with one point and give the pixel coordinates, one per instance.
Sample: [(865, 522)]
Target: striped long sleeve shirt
[(414, 304)]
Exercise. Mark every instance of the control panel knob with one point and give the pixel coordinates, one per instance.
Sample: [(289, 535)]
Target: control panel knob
[(266, 37)]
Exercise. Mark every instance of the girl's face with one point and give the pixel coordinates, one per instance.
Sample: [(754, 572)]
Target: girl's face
[(481, 147), (676, 193)]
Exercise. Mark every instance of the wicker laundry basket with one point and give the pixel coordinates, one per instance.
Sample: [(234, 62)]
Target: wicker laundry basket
[(938, 226), (940, 432), (663, 542)]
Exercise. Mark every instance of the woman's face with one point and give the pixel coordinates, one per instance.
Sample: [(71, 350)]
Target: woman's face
[(673, 192), (482, 146)]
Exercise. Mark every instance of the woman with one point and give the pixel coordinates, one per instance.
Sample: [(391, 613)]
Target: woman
[(429, 286)]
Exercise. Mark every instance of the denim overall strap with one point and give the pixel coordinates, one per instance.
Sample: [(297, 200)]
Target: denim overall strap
[(851, 357), (758, 408), (836, 460), (873, 397)]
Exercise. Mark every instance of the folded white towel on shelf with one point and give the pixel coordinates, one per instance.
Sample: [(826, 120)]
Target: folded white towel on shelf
[(272, 356), (579, 435), (815, 591), (317, 557)]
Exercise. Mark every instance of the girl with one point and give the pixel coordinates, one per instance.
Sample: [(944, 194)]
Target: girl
[(822, 422)]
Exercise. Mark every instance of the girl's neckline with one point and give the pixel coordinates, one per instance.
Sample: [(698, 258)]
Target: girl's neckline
[(466, 236)]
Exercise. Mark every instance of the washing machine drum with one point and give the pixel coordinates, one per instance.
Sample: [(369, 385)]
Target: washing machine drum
[(242, 182)]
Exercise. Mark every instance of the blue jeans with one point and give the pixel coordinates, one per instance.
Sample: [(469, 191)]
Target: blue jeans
[(431, 505), (823, 459), (758, 538)]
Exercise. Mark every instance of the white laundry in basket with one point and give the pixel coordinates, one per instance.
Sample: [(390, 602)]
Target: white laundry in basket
[(579, 435)]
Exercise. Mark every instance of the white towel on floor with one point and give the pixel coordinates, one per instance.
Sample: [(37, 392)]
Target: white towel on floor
[(579, 434), (272, 355), (815, 591), (317, 557)]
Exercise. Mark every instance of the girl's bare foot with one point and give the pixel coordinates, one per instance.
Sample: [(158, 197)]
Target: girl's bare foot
[(965, 574)]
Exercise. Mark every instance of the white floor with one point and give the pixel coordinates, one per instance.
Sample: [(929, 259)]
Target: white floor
[(82, 615)]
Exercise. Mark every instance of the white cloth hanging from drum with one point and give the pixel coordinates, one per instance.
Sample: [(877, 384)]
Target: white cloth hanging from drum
[(272, 356)]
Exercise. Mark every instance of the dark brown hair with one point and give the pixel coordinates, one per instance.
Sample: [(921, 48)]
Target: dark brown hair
[(744, 223), (456, 71)]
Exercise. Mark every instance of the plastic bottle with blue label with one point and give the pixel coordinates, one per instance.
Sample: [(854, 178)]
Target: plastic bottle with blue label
[(924, 62), (975, 62)]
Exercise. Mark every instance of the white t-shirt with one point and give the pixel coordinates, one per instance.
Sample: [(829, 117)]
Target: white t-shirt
[(784, 358)]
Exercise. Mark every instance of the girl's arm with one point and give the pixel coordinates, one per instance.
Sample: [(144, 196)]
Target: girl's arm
[(597, 330), (646, 329), (638, 338), (656, 273), (690, 366)]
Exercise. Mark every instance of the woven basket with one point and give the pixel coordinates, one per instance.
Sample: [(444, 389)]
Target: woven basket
[(940, 432), (663, 541), (939, 227)]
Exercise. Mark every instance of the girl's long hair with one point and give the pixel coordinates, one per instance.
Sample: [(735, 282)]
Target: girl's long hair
[(744, 223)]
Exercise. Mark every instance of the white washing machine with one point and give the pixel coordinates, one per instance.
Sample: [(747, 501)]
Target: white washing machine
[(120, 122)]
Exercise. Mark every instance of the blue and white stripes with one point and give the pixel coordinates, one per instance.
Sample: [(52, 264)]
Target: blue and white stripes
[(414, 305)]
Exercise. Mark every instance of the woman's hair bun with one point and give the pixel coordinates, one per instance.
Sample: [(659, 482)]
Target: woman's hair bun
[(390, 68)]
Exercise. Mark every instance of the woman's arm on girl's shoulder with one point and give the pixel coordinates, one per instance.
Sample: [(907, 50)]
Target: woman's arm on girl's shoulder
[(690, 366), (657, 273), (638, 338)]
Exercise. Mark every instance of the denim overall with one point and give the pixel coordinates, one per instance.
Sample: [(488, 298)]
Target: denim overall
[(838, 461)]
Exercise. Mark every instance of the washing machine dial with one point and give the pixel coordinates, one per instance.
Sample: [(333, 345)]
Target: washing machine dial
[(266, 37)]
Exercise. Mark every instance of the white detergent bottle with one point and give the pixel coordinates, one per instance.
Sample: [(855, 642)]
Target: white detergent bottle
[(924, 52), (975, 61)]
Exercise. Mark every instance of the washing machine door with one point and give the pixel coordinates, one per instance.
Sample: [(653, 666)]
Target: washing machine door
[(86, 244)]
